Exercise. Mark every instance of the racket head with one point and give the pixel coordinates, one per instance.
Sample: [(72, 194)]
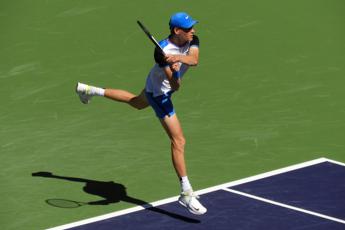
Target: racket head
[(64, 203)]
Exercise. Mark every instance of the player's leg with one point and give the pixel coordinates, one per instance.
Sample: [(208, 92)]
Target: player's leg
[(164, 109), (187, 198), (86, 92), (174, 130), (136, 101)]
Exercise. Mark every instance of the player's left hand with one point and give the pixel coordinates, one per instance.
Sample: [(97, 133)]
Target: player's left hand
[(175, 67)]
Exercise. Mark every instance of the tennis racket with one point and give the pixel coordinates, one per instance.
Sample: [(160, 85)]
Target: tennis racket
[(149, 35)]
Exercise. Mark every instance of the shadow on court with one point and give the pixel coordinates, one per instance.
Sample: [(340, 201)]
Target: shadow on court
[(111, 193)]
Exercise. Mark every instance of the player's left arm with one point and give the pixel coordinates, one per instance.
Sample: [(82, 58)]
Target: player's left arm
[(192, 57)]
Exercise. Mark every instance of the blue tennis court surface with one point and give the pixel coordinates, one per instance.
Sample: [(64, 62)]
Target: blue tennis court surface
[(310, 195)]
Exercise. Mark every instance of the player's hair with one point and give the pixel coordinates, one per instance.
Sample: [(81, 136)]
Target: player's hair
[(172, 32)]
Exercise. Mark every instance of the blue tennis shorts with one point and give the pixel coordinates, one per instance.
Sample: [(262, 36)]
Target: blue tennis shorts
[(162, 105)]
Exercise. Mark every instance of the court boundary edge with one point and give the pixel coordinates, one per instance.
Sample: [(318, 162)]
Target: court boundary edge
[(199, 192)]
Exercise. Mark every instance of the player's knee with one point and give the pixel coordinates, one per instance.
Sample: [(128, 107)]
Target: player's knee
[(179, 142), (137, 103)]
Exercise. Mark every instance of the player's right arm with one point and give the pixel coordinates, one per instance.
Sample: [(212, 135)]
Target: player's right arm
[(170, 70)]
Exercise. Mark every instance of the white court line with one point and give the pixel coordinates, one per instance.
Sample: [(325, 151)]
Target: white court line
[(199, 192), (285, 205), (335, 162)]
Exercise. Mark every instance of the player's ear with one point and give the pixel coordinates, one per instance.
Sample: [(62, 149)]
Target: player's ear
[(176, 30)]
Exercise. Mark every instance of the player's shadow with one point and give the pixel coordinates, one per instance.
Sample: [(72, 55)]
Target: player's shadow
[(112, 192)]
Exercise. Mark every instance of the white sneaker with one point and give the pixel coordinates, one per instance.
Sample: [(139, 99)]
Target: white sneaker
[(83, 91), (190, 201)]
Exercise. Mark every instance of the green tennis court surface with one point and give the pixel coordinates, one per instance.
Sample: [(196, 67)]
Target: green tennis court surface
[(268, 93)]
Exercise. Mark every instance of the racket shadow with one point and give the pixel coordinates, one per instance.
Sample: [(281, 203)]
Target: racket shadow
[(110, 192)]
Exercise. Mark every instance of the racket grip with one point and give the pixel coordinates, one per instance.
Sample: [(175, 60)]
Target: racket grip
[(176, 74)]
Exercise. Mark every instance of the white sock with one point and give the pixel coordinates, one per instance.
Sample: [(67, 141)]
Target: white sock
[(96, 91), (185, 184)]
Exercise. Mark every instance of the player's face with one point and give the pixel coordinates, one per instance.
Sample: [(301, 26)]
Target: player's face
[(186, 34)]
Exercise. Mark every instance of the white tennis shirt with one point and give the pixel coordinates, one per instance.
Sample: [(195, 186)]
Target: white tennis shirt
[(157, 81)]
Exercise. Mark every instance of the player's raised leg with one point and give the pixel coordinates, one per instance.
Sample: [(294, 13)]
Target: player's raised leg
[(187, 198), (86, 92), (136, 101)]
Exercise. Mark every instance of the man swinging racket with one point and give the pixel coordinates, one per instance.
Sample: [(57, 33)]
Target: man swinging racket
[(173, 57)]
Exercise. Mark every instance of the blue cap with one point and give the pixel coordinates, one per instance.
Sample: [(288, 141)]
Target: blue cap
[(182, 20)]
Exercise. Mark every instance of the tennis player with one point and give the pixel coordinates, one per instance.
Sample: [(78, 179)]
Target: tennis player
[(181, 50)]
